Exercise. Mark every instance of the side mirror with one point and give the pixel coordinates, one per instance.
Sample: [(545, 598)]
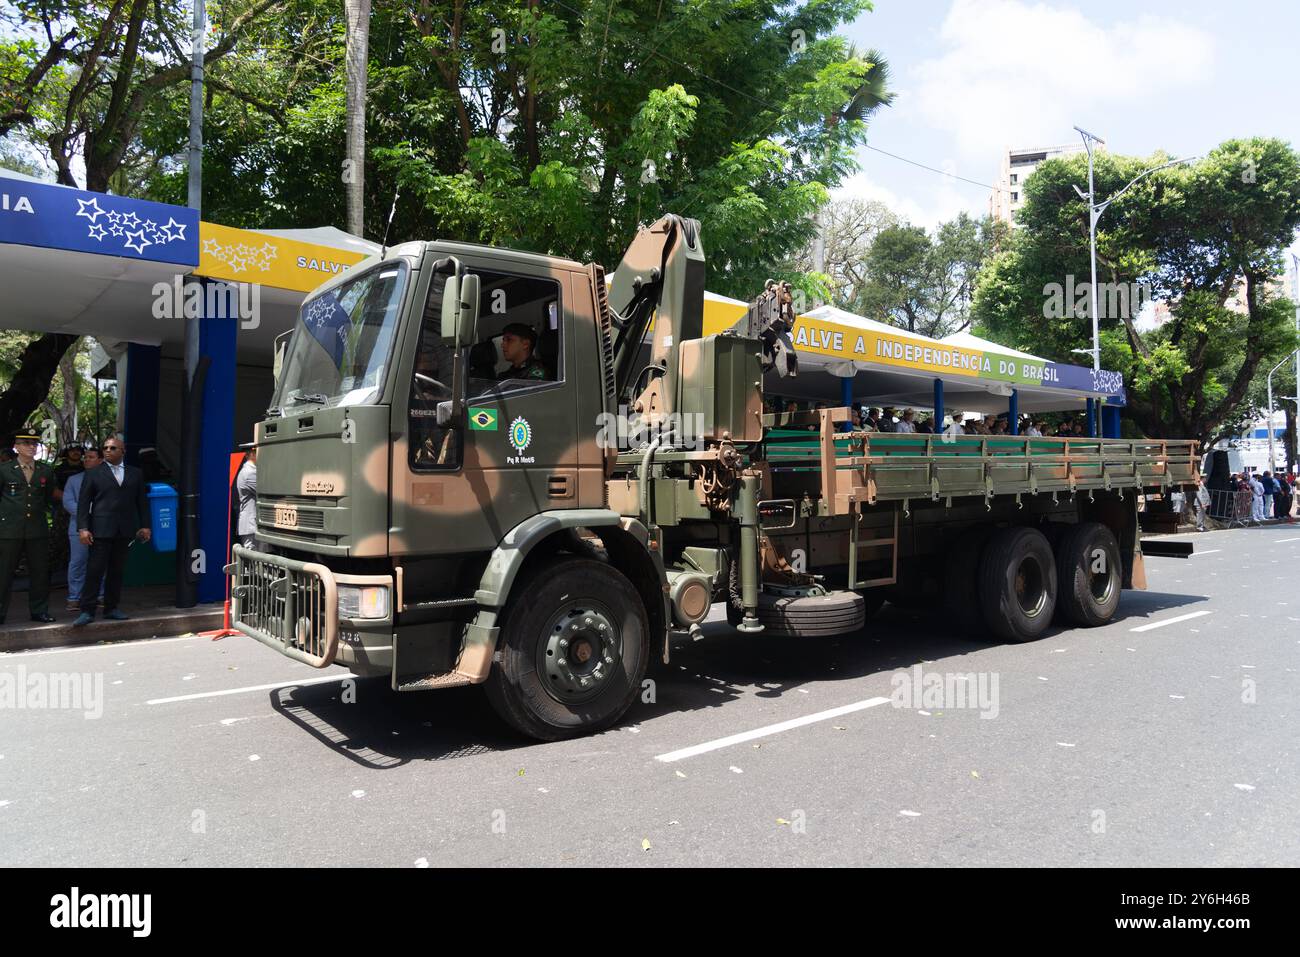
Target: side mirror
[(451, 308), (468, 320)]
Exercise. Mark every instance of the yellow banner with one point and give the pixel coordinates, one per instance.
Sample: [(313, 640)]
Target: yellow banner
[(243, 255), (839, 341)]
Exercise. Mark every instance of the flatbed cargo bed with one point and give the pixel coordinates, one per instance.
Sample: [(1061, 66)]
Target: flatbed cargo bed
[(871, 467)]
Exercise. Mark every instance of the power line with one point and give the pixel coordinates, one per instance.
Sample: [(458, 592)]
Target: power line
[(941, 172)]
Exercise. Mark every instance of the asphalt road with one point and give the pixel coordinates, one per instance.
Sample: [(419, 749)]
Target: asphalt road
[(1175, 745)]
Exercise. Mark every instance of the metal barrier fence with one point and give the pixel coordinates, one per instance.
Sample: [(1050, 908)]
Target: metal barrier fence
[(1240, 507)]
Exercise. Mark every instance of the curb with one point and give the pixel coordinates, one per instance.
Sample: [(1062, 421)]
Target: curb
[(61, 634)]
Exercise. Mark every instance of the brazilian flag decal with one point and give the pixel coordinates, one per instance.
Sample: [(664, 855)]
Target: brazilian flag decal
[(482, 420)]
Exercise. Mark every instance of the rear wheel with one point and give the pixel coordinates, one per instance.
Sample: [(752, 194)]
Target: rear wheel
[(1088, 581), (573, 650), (1017, 582)]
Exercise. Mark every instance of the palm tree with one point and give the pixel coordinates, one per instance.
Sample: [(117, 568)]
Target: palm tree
[(356, 58), (865, 101)]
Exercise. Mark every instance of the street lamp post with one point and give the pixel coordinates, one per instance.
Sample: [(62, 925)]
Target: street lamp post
[(1272, 457), (1095, 209)]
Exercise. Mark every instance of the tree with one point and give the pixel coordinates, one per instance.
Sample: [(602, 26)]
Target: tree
[(79, 76), (926, 283), (564, 126), (358, 40), (1204, 239), (29, 374), (848, 227), (874, 93)]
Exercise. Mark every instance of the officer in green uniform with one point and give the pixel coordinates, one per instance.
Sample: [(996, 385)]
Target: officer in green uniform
[(26, 498), (517, 343)]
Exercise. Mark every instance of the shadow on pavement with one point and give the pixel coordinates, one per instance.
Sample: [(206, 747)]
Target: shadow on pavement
[(384, 729)]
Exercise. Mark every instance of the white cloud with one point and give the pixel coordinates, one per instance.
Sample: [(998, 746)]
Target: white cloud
[(1022, 74)]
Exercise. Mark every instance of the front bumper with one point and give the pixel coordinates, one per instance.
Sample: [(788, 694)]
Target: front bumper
[(292, 606)]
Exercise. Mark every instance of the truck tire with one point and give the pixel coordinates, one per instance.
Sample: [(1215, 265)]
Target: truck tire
[(835, 613), (961, 589), (572, 652), (1017, 582), (1088, 575), (817, 615)]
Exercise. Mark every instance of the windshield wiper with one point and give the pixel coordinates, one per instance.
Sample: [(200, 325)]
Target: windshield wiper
[(320, 398)]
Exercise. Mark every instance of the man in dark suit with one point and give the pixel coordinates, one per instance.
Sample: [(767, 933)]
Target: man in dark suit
[(112, 511)]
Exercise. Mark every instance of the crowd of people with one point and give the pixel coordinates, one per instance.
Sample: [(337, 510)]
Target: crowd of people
[(82, 512), (889, 419), (1260, 496)]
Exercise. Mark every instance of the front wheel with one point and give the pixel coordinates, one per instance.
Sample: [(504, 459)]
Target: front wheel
[(573, 651)]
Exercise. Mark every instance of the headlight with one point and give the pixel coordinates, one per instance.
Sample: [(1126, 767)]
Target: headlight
[(363, 601)]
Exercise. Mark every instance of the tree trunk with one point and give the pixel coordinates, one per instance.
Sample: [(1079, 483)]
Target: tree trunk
[(31, 383), (358, 42)]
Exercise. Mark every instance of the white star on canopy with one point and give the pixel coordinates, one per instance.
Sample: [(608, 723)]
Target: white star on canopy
[(92, 203)]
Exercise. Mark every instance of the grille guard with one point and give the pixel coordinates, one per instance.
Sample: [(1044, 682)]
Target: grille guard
[(285, 604)]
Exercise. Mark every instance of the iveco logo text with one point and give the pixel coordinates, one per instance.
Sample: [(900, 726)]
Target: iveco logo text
[(76, 910)]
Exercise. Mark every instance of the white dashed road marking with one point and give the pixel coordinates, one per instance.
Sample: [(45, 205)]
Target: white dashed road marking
[(769, 729), (278, 684), (1170, 621)]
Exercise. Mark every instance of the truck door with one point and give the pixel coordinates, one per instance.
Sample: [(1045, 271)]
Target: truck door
[(460, 490)]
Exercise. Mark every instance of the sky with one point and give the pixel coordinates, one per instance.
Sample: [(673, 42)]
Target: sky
[(974, 77)]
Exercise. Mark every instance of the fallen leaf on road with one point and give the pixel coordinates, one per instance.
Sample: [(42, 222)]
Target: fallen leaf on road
[(645, 844)]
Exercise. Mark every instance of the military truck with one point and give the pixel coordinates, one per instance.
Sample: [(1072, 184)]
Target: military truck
[(434, 509)]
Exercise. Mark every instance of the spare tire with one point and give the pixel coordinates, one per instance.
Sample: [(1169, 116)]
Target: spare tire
[(835, 613), (1018, 584), (1088, 575)]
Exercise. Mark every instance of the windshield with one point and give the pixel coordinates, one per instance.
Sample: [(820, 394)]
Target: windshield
[(341, 341)]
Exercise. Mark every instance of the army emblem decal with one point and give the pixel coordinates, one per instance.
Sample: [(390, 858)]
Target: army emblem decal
[(482, 420), (521, 434)]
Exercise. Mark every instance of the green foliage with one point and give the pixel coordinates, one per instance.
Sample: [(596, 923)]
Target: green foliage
[(924, 283), (1205, 238)]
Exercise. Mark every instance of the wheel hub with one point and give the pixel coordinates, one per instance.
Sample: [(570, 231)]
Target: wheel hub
[(580, 652), (1030, 589)]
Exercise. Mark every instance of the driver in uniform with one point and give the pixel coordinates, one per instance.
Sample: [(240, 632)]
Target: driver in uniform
[(518, 341)]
